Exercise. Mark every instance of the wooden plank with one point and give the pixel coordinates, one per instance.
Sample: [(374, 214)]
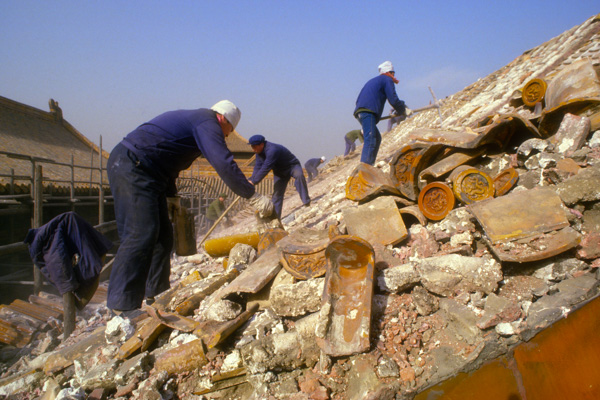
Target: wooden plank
[(34, 310)]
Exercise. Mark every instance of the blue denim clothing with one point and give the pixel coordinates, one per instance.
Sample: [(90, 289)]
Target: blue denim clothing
[(311, 168), (284, 165), (373, 95), (170, 143), (350, 146), (372, 136), (276, 158), (142, 266), (53, 245), (280, 184)]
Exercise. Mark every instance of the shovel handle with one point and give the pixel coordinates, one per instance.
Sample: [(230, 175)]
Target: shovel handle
[(212, 228)]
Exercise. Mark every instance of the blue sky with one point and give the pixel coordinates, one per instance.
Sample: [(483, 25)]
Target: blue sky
[(294, 68)]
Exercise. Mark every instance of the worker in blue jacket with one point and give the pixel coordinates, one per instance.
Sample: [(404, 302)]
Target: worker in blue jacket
[(285, 165), (369, 107), (311, 167), (142, 170)]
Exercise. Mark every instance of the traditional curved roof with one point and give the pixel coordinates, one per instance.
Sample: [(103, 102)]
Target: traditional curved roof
[(32, 134)]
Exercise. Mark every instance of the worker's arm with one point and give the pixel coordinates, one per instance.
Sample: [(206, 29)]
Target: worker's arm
[(211, 142), (265, 166), (390, 92)]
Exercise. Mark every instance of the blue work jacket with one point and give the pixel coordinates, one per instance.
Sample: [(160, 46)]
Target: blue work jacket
[(312, 163), (170, 143), (373, 95), (273, 157), (53, 245)]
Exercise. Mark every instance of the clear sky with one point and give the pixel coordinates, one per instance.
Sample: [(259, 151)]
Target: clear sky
[(294, 68)]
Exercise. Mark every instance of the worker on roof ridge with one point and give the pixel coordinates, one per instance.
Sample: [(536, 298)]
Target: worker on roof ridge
[(350, 140), (311, 167), (369, 107)]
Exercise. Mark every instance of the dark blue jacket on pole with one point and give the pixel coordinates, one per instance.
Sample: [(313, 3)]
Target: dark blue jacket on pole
[(373, 95), (170, 143), (53, 245), (273, 157)]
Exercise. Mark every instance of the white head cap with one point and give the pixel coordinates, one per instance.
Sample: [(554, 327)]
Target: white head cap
[(386, 66), (229, 111), (323, 158)]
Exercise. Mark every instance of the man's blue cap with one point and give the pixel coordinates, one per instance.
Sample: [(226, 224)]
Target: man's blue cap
[(256, 139)]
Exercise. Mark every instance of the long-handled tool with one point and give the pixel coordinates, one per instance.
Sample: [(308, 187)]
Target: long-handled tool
[(212, 228), (436, 104)]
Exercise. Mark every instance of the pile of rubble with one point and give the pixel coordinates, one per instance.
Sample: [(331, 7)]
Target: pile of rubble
[(398, 276)]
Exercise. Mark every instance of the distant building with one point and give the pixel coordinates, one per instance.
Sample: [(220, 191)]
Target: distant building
[(32, 135)]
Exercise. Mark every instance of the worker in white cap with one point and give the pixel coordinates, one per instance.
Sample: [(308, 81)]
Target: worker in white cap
[(369, 107), (311, 167), (142, 170)]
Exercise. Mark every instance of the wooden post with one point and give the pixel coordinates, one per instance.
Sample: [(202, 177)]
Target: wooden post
[(72, 184), (12, 181), (69, 312), (101, 189), (38, 202), (91, 171)]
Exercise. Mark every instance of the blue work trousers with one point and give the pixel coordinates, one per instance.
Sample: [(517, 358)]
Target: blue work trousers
[(280, 184), (141, 266), (312, 172), (350, 146), (368, 121)]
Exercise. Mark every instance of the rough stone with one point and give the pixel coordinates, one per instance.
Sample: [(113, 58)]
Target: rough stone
[(150, 388), (450, 274), (133, 368), (23, 382), (591, 220), (581, 187), (399, 278), (523, 288), (571, 134), (362, 379), (422, 244), (458, 220), (568, 268), (498, 309), (530, 147), (284, 351), (310, 385), (387, 368), (241, 254), (542, 160), (424, 302), (261, 325), (232, 362), (101, 375), (529, 179), (71, 394), (589, 248), (119, 329), (595, 139), (549, 309), (222, 310), (293, 300), (462, 321)]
